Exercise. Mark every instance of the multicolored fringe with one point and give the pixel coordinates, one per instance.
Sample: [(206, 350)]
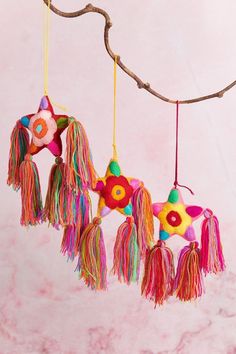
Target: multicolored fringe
[(78, 217), (56, 198), (158, 280), (212, 259), (19, 145), (70, 241), (143, 218), (126, 261), (80, 171), (188, 281), (92, 256), (30, 193)]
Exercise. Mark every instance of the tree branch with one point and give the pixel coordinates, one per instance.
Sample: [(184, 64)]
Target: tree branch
[(146, 86)]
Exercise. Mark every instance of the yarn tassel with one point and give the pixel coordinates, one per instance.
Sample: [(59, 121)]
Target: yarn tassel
[(72, 232), (159, 274), (143, 218), (92, 256), (188, 281), (126, 261), (70, 241), (80, 171), (18, 149), (30, 193), (212, 258), (55, 198)]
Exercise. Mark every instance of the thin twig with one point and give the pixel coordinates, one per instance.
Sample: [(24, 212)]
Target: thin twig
[(146, 86)]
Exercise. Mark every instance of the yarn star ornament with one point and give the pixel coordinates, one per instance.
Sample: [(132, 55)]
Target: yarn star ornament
[(129, 197), (46, 128), (115, 191), (176, 217)]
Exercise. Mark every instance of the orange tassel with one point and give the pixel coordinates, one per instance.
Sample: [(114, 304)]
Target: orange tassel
[(80, 172), (143, 218), (55, 198), (18, 149), (92, 256), (30, 193), (188, 281)]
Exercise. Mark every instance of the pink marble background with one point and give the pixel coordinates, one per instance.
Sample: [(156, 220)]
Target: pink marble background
[(184, 49)]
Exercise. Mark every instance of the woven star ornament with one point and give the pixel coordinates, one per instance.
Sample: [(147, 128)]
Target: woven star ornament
[(176, 218), (129, 197), (67, 200)]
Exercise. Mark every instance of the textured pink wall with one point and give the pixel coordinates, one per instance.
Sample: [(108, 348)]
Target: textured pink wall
[(184, 49)]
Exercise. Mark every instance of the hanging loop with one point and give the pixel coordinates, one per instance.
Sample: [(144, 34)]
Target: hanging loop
[(176, 183), (114, 109)]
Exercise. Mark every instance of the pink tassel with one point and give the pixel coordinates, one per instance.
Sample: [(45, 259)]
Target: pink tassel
[(212, 259), (30, 193), (18, 149), (143, 218), (92, 256), (188, 281), (70, 241), (126, 261), (158, 280)]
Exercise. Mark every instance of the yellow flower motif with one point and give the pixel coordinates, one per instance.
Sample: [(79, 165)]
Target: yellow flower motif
[(174, 218)]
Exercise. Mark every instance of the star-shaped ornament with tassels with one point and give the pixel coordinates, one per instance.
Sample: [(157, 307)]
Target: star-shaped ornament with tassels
[(46, 128), (115, 191)]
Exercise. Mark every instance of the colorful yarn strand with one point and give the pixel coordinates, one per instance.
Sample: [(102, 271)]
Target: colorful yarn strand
[(92, 256), (80, 172), (32, 207), (143, 218), (19, 143), (126, 260), (159, 274), (188, 281), (55, 198)]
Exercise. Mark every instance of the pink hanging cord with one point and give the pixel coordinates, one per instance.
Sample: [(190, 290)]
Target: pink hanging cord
[(176, 183)]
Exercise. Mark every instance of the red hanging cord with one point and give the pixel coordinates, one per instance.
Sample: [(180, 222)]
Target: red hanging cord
[(176, 183)]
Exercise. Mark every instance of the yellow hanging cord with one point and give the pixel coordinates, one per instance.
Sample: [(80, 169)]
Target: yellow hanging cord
[(114, 112), (46, 27)]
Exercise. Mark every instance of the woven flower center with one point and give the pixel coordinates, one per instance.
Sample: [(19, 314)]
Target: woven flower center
[(173, 218), (118, 192), (40, 128)]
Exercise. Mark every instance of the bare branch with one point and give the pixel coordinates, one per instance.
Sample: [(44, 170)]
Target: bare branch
[(142, 85)]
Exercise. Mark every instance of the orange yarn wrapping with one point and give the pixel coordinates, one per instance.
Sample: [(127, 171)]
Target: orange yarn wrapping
[(30, 193), (143, 218), (158, 279), (18, 149), (189, 282), (80, 171)]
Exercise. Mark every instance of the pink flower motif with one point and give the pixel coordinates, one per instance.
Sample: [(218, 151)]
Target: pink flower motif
[(43, 127)]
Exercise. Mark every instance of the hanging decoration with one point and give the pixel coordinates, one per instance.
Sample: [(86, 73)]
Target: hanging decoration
[(68, 205), (67, 201), (129, 197), (176, 218)]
